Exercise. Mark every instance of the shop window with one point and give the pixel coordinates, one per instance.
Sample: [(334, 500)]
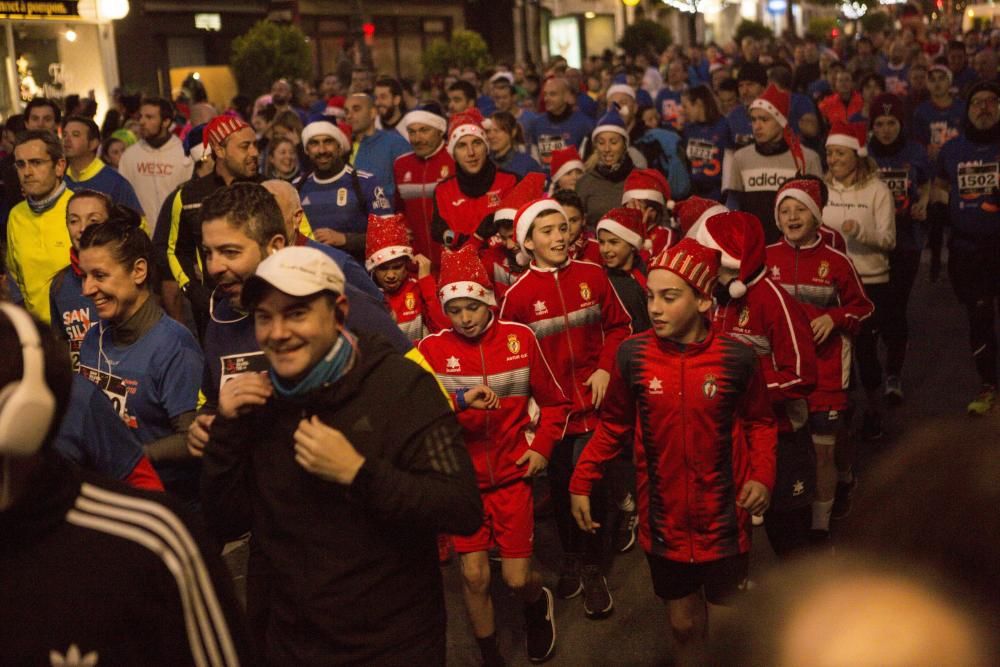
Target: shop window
[(55, 59)]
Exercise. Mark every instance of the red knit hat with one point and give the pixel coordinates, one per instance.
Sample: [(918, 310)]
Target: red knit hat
[(387, 239), (886, 104), (648, 184), (696, 264), (530, 188), (692, 213), (849, 135), (463, 124), (808, 191), (220, 127), (464, 276), (628, 225), (564, 161), (777, 102), (740, 239)]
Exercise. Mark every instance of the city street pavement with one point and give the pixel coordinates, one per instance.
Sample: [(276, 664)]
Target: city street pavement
[(939, 380)]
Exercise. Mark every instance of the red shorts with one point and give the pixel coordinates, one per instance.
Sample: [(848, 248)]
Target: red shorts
[(508, 522)]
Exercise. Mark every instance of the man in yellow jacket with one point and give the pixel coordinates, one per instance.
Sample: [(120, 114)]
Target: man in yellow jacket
[(37, 241)]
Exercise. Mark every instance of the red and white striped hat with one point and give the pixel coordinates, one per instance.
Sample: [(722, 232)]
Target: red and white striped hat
[(849, 135), (387, 239), (695, 263), (628, 225), (464, 276), (220, 127)]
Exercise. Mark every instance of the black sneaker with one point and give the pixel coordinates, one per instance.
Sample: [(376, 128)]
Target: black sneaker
[(842, 498), (569, 585), (540, 627), (625, 535), (597, 602), (819, 540), (871, 426)]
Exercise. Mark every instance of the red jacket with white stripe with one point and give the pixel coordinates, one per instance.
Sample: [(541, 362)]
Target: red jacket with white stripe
[(579, 322), (507, 358), (776, 326), (586, 248), (825, 282), (500, 268), (833, 238), (691, 410), (416, 179), (416, 308), (461, 213)]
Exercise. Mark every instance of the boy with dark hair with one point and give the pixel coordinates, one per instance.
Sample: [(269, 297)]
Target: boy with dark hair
[(582, 242)]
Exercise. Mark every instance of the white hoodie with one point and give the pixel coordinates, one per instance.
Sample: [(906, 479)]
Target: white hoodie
[(870, 204), (154, 173)]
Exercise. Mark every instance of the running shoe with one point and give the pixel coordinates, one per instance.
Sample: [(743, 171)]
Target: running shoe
[(569, 585), (625, 536), (597, 602), (842, 498), (983, 403), (540, 627), (893, 390)]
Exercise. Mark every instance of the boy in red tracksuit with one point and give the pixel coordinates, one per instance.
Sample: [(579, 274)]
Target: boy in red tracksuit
[(620, 233), (753, 308), (504, 264), (492, 369), (579, 322), (582, 242), (388, 254), (689, 398), (825, 282), (648, 191)]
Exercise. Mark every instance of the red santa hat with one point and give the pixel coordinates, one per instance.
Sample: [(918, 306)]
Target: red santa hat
[(694, 211), (525, 217), (341, 133), (219, 128), (464, 276), (649, 184), (740, 239), (628, 225), (849, 135), (530, 188), (807, 191), (463, 124), (564, 161), (696, 264), (777, 102), (387, 239)]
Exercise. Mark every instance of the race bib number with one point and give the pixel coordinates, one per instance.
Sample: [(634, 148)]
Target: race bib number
[(977, 178), (74, 354), (700, 150), (898, 181), (547, 143), (114, 387), (237, 364)]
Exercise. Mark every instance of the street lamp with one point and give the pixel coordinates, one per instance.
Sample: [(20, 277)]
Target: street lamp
[(112, 10)]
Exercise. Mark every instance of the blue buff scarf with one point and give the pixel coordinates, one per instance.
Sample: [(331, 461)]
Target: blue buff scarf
[(39, 206), (330, 368)]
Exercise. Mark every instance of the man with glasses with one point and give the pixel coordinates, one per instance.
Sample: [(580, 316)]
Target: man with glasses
[(37, 241), (968, 177)]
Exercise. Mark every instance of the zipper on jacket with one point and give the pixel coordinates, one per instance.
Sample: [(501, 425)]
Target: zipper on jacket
[(795, 274), (569, 344), (687, 464), (489, 467)]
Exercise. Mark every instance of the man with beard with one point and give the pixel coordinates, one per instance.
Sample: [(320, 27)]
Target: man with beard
[(417, 175), (389, 102), (337, 198), (282, 96), (178, 231), (374, 150), (751, 81), (968, 175)]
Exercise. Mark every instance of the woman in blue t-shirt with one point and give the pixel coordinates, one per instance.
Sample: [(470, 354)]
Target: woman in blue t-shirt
[(506, 139), (149, 365), (706, 138)]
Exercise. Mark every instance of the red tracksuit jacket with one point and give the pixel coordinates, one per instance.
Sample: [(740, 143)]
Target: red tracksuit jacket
[(586, 248), (824, 281), (462, 213), (680, 405), (416, 179), (498, 266), (507, 358), (416, 308), (833, 238), (775, 325), (579, 322)]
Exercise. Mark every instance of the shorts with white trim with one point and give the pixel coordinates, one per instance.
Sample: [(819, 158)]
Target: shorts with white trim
[(508, 522)]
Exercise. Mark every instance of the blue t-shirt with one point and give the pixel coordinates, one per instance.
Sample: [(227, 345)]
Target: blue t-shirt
[(518, 163), (819, 89), (904, 173), (486, 105), (897, 79), (71, 313), (934, 125), (643, 98), (740, 129), (333, 202), (586, 104), (92, 436), (108, 181), (545, 135), (376, 155), (705, 146), (668, 104), (973, 173)]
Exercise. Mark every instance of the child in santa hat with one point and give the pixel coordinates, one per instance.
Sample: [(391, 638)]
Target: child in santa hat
[(825, 282), (649, 191), (567, 168), (694, 403), (582, 242), (621, 235), (388, 256), (492, 369), (753, 308), (579, 321), (503, 259)]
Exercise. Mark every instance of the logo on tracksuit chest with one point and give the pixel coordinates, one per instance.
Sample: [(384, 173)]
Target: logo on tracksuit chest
[(513, 343), (709, 387), (744, 319), (411, 301), (585, 291), (824, 269)]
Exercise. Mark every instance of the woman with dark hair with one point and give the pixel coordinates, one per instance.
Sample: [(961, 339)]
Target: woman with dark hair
[(149, 365), (706, 139), (505, 137)]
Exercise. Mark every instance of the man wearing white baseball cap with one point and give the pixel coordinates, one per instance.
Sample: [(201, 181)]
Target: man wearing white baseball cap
[(325, 475), (336, 197)]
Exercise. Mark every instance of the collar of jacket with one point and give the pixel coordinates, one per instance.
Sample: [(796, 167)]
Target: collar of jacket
[(551, 269), (486, 334), (137, 326), (809, 246), (673, 347)]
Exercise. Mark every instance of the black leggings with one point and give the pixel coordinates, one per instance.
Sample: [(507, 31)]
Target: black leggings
[(573, 540), (974, 270), (904, 263), (866, 342)]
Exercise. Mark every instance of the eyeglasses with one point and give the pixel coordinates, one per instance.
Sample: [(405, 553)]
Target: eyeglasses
[(34, 162)]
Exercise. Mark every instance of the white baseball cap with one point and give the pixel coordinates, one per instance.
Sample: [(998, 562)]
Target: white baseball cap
[(296, 271)]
